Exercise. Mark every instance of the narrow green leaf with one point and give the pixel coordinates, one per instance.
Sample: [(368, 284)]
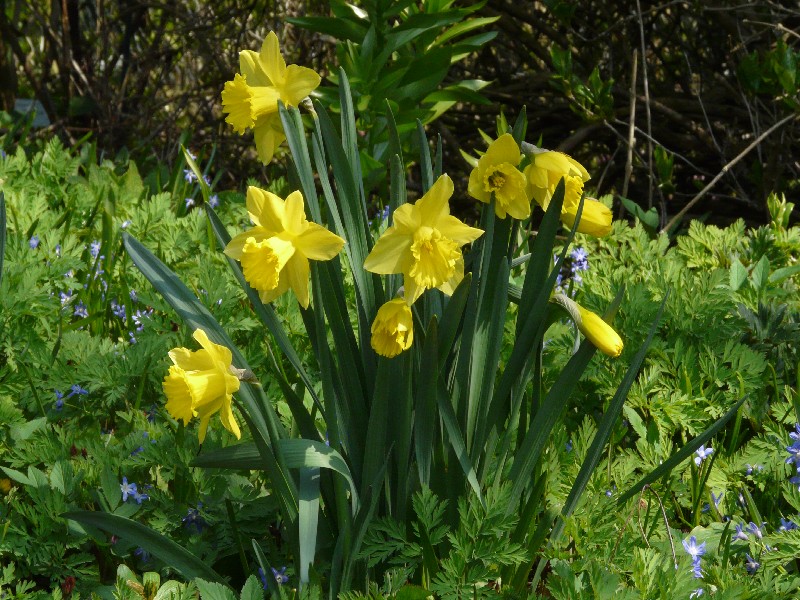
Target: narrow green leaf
[(451, 318), (684, 453), (425, 166), (425, 410), (606, 426), (163, 548), (272, 584), (307, 518)]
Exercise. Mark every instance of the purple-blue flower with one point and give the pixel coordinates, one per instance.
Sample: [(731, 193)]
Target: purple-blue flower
[(213, 201), (194, 519), (33, 242), (143, 554), (692, 549), (140, 497), (751, 565), (77, 390), (127, 489), (118, 310), (94, 248), (787, 525), (702, 454), (189, 176), (81, 310), (740, 534), (756, 530)]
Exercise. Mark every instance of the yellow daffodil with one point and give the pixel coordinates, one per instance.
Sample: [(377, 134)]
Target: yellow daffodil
[(543, 174), (393, 328), (201, 384), (424, 244), (497, 174), (590, 324), (546, 170), (251, 99), (600, 333), (595, 220), (5, 486), (275, 253)]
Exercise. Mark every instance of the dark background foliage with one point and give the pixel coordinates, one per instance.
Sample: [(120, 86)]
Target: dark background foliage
[(709, 79)]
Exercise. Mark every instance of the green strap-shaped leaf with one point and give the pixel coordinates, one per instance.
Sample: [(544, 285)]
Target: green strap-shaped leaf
[(425, 410), (425, 166), (307, 518), (163, 548), (684, 453)]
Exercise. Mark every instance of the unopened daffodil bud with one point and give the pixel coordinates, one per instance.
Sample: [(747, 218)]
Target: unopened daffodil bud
[(393, 328)]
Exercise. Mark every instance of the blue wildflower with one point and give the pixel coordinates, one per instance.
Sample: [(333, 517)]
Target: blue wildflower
[(580, 260), (77, 390), (716, 499), (702, 454), (140, 497), (143, 554), (126, 223), (756, 530), (81, 310), (697, 593), (194, 519), (213, 201), (751, 565), (118, 310), (94, 248), (189, 203), (740, 534), (127, 489), (787, 525), (692, 549), (794, 454), (33, 242), (189, 176)]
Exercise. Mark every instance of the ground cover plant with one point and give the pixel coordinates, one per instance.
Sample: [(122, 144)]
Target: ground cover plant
[(281, 390)]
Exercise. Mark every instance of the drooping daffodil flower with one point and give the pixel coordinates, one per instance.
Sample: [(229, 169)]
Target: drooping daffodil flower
[(201, 383), (251, 99), (591, 325), (393, 328), (275, 253), (424, 244)]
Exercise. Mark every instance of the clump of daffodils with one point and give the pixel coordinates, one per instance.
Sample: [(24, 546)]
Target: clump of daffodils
[(424, 243)]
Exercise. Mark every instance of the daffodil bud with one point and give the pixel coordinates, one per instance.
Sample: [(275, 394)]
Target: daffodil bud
[(591, 325)]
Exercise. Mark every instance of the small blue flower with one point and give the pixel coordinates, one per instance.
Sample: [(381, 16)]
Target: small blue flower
[(716, 499), (189, 203), (697, 593), (81, 310), (751, 565), (213, 201), (702, 454), (127, 489), (794, 454), (94, 248), (580, 260), (787, 525), (692, 549), (126, 223), (137, 451), (568, 445), (740, 534), (189, 176), (280, 576), (194, 519), (118, 310), (140, 497), (756, 530), (33, 242), (77, 390), (58, 250), (697, 570), (143, 554), (795, 435)]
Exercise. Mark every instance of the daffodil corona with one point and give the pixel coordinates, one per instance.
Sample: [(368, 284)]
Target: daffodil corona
[(497, 174), (393, 328), (275, 253), (424, 244), (251, 99), (201, 384)]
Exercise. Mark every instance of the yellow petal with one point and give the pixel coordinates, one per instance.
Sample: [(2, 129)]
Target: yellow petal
[(391, 253), (411, 291), (271, 60), (449, 286), (503, 150), (298, 274), (317, 243), (300, 82), (201, 434), (406, 219), (294, 214), (435, 203), (268, 135), (596, 218), (475, 187), (266, 209), (228, 420), (600, 333), (457, 231), (250, 66), (558, 162), (189, 361), (217, 352)]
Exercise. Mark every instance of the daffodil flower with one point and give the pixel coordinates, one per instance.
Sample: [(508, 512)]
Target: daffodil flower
[(393, 328), (251, 99), (201, 384), (543, 174), (497, 174), (275, 253), (424, 244), (592, 325)]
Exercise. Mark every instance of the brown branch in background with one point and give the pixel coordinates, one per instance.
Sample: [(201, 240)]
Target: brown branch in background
[(724, 170), (646, 109), (631, 127)]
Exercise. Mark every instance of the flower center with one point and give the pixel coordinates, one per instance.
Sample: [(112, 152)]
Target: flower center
[(435, 258), (263, 261)]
